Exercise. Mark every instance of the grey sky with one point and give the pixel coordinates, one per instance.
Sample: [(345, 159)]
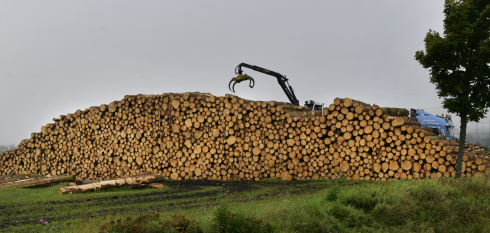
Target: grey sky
[(60, 56)]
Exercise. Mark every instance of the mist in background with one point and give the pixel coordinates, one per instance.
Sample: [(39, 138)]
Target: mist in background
[(60, 56)]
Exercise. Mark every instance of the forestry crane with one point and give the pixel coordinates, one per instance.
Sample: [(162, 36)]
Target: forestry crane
[(281, 79)]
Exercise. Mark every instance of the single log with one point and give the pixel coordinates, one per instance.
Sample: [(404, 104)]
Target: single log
[(107, 184), (231, 140), (348, 102), (32, 182), (397, 122), (90, 181), (150, 185), (395, 111), (112, 107)]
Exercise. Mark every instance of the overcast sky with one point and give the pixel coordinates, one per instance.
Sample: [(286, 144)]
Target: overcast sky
[(60, 56)]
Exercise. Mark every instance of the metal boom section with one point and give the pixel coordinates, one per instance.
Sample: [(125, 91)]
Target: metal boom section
[(281, 79)]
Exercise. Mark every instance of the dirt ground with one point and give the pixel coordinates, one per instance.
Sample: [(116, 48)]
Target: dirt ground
[(181, 195)]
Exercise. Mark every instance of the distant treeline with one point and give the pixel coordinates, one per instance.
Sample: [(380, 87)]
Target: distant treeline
[(4, 148)]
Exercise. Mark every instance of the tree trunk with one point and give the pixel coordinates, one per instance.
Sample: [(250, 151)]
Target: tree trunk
[(37, 182), (462, 138), (120, 182)]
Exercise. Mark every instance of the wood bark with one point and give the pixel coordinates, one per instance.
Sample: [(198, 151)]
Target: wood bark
[(198, 136), (32, 182), (137, 180)]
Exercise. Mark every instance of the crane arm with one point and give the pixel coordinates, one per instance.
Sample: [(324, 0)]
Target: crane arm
[(281, 79)]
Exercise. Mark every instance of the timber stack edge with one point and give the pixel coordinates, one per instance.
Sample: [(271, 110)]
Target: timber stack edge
[(200, 136)]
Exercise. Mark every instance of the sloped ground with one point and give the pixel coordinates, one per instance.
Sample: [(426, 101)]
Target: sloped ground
[(44, 203)]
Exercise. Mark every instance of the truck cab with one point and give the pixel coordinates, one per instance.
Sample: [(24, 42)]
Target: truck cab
[(313, 106), (440, 124)]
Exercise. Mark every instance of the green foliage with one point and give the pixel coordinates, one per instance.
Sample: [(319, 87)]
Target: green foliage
[(151, 224), (272, 180), (365, 200), (227, 222), (7, 147), (350, 216), (431, 204), (180, 223), (476, 186), (333, 193), (128, 225), (443, 205), (459, 60), (307, 217)]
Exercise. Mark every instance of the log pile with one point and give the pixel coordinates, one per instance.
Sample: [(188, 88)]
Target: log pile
[(201, 136), (385, 147), (475, 157), (398, 112)]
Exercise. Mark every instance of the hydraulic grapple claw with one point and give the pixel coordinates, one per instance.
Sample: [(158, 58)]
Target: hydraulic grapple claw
[(252, 82), (240, 78), (233, 85)]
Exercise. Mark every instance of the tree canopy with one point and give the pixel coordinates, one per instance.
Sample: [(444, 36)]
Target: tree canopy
[(459, 62)]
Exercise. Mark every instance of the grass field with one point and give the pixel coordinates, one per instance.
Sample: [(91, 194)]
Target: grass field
[(444, 205)]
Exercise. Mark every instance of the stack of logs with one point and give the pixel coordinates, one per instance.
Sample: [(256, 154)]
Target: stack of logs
[(201, 136)]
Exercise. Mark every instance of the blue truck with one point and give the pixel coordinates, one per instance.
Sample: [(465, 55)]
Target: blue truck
[(440, 124)]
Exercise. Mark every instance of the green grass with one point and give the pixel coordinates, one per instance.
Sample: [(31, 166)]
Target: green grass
[(28, 206), (444, 205)]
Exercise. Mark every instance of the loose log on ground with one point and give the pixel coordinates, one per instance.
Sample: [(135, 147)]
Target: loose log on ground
[(108, 184), (150, 185), (32, 182)]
